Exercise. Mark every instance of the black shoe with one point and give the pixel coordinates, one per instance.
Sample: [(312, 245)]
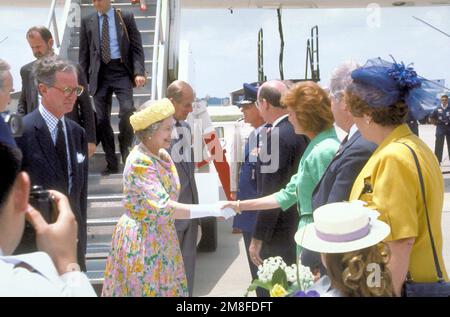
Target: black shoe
[(124, 156), (109, 170), (124, 152)]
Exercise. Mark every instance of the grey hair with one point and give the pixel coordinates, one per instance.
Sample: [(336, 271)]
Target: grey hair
[(4, 69), (341, 78), (148, 131), (45, 69)]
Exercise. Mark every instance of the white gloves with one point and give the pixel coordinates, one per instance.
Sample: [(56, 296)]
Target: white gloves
[(211, 210)]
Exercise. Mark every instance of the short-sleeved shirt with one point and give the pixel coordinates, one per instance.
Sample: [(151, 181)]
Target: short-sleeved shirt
[(318, 154), (389, 183)]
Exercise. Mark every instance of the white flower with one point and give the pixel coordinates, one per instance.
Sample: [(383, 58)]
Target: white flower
[(269, 266)]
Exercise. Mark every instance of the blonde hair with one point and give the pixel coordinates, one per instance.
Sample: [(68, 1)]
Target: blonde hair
[(350, 272)]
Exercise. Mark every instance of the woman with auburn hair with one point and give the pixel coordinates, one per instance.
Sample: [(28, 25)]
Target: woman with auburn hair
[(380, 98), (310, 114), (348, 236)]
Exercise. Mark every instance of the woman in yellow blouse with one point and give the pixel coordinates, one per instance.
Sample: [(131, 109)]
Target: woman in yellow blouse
[(380, 97)]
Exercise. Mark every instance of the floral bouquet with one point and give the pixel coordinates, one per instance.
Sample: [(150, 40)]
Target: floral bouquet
[(282, 280)]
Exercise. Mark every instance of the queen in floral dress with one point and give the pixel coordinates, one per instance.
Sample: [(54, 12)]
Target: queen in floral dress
[(145, 258)]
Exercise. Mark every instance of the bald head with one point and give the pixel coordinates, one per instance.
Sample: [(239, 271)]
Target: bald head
[(182, 96), (271, 92)]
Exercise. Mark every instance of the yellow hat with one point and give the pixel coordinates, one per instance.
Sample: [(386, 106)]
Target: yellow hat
[(155, 112)]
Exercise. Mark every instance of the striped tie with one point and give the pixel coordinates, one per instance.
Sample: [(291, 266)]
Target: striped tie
[(106, 53)]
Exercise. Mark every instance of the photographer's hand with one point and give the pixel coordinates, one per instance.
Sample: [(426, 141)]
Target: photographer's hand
[(58, 240)]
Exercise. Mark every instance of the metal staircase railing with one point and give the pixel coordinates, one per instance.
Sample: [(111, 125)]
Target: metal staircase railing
[(58, 29)]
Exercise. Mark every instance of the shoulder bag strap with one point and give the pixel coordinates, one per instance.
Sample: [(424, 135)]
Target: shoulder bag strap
[(422, 186), (119, 13)]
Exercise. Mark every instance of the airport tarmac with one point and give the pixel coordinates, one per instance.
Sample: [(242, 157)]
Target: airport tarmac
[(225, 272)]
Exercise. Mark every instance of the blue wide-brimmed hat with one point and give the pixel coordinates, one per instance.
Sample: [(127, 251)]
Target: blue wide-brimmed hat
[(250, 95), (382, 84)]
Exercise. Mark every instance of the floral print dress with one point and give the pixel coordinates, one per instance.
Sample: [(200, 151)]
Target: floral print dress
[(145, 257)]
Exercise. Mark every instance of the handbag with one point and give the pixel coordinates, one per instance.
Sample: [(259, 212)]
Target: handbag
[(440, 288)]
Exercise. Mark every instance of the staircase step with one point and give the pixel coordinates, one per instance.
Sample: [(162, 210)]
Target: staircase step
[(97, 163), (104, 207), (101, 185), (95, 270)]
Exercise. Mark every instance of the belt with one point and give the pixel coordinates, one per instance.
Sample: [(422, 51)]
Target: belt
[(114, 61)]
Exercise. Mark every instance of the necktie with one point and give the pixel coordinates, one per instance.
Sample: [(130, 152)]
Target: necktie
[(106, 53), (344, 140), (61, 152), (180, 135), (341, 146)]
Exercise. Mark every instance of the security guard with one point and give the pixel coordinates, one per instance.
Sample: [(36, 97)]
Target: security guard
[(441, 117), (246, 167)]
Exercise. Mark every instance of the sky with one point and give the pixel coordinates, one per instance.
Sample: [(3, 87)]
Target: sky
[(15, 21), (224, 45)]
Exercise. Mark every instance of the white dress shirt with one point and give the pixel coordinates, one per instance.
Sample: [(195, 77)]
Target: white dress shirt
[(34, 274)]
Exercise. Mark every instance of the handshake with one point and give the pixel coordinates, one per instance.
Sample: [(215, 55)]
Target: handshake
[(211, 210)]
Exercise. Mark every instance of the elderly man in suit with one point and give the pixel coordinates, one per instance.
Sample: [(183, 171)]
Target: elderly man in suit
[(40, 40), (274, 230), (54, 147), (182, 96), (112, 57), (337, 181)]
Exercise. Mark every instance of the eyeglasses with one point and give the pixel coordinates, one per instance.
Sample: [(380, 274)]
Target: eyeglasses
[(67, 91)]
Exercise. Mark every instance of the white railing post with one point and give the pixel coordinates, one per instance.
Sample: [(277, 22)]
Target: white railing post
[(156, 49), (52, 21)]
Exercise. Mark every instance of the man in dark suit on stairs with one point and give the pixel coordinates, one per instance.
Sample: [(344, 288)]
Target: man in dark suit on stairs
[(112, 57), (41, 41), (54, 147)]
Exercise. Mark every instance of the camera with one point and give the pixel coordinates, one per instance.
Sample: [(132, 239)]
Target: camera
[(41, 200), (14, 122)]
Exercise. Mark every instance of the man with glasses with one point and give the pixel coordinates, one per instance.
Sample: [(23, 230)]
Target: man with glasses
[(41, 41), (54, 147)]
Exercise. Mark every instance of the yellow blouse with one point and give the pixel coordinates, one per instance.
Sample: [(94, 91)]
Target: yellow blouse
[(389, 183)]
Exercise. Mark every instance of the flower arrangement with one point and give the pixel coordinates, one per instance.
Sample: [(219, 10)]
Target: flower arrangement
[(282, 280)]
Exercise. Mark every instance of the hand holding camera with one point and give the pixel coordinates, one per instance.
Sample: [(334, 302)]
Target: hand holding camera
[(59, 239)]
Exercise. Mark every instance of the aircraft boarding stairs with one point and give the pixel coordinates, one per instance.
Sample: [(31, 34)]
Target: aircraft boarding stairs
[(105, 192)]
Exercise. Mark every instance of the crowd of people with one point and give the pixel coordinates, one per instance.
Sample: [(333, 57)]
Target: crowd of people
[(291, 176)]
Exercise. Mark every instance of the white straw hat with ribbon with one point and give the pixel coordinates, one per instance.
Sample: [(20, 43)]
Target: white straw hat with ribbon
[(342, 227)]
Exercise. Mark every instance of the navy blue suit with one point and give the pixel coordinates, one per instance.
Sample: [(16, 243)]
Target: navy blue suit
[(277, 228), (442, 117), (40, 161), (337, 181), (247, 189)]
